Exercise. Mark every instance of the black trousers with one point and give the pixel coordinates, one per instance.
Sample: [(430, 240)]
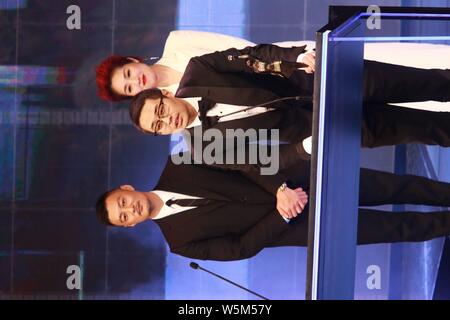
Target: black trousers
[(389, 83), (384, 124), (377, 188), (377, 226)]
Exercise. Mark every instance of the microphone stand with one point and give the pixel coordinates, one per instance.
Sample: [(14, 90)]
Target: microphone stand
[(215, 119), (194, 265)]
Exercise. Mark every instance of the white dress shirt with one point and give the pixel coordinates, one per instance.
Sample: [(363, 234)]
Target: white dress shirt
[(222, 109), (166, 210)]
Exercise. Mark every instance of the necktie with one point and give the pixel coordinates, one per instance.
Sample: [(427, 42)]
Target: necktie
[(204, 105), (188, 202)]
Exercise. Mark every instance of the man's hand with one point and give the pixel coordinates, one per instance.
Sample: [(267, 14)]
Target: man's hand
[(310, 60), (291, 203)]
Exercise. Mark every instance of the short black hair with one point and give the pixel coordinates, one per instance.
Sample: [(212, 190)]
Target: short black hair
[(100, 208), (138, 103)]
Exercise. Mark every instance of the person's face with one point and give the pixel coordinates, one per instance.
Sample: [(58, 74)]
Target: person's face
[(132, 78), (127, 207), (164, 115)]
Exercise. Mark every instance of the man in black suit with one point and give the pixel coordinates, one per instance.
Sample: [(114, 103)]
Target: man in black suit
[(210, 214), (232, 69), (160, 112)]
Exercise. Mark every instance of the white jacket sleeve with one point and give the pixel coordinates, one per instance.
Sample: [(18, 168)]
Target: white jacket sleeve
[(203, 41), (182, 45)]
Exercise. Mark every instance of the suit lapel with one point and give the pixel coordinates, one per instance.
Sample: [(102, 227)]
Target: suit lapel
[(178, 227), (229, 95), (233, 88), (194, 190)]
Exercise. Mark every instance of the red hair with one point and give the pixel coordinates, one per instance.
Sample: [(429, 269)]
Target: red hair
[(103, 77)]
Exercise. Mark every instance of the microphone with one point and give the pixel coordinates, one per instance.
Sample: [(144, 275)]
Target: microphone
[(195, 266), (215, 119)]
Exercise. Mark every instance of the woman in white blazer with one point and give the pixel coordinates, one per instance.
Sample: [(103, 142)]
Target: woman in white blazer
[(120, 78), (182, 45)]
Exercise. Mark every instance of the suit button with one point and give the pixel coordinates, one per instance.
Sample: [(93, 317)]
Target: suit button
[(244, 199)]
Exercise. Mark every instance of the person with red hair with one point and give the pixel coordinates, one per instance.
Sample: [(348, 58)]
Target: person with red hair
[(121, 77)]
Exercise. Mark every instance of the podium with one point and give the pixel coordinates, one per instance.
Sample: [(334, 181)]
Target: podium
[(335, 162)]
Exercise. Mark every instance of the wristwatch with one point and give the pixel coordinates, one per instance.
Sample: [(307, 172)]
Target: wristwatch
[(282, 187)]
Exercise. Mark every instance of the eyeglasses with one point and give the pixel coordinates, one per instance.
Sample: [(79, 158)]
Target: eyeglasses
[(160, 113)]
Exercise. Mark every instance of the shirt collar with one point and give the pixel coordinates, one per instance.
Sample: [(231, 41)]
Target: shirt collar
[(164, 196), (194, 103)]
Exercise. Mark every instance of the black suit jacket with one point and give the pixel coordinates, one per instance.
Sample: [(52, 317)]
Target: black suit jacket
[(244, 220), (216, 77), (382, 82), (238, 226)]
